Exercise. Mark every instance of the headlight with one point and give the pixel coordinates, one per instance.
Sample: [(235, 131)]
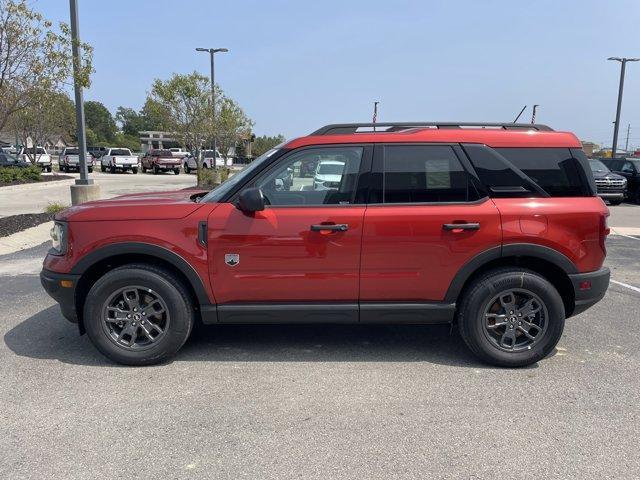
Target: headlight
[(59, 238)]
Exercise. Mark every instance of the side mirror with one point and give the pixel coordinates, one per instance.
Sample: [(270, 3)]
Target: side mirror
[(251, 200)]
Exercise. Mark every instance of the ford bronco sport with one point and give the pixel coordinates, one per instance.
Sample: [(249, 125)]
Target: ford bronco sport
[(493, 227)]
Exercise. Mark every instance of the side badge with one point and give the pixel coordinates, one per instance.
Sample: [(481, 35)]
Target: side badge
[(232, 259)]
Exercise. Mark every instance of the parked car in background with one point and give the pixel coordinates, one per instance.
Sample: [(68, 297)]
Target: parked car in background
[(489, 230), (43, 159), (121, 159), (96, 152), (611, 186), (9, 161), (328, 174), (210, 160), (629, 168), (189, 163), (160, 161), (179, 152), (70, 160)]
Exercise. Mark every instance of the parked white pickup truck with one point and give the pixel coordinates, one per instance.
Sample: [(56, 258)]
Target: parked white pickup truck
[(118, 159), (179, 152), (43, 159), (70, 160)]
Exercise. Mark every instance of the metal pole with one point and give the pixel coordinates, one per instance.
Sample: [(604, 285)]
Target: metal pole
[(213, 105), (614, 145), (626, 145), (82, 141)]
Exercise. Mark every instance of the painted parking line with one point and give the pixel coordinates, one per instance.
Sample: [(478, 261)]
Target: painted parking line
[(627, 236), (626, 285)]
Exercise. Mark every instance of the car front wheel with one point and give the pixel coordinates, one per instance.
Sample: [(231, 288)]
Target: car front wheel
[(134, 170), (511, 317), (138, 315)]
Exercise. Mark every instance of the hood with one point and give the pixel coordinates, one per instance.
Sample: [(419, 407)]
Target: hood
[(139, 206), (605, 175)]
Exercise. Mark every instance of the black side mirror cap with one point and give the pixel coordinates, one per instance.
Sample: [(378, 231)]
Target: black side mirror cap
[(251, 200)]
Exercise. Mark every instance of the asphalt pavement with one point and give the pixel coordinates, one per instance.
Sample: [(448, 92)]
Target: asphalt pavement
[(318, 402)]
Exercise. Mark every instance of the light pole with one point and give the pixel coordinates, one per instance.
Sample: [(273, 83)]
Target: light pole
[(212, 52), (84, 188), (623, 62)]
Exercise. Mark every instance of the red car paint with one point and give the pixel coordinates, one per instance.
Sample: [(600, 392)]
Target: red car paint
[(390, 252)]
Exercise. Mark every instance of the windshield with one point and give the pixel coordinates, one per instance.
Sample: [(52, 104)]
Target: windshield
[(220, 191), (120, 151), (598, 167), (331, 169)]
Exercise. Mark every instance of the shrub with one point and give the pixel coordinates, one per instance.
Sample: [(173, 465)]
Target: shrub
[(20, 175), (54, 207), (212, 177)]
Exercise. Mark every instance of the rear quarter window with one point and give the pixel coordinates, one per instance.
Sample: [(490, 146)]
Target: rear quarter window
[(555, 170)]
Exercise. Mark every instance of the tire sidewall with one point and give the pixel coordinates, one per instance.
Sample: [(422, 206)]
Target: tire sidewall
[(488, 288), (180, 312)]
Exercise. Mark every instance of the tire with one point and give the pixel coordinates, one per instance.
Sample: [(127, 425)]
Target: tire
[(134, 170), (103, 168), (144, 169), (90, 169), (49, 168), (176, 171), (615, 202), (186, 168), (113, 169), (478, 298), (65, 169), (156, 281), (156, 170)]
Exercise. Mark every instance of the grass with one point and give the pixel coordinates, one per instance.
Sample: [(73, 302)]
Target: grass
[(54, 207), (13, 175)]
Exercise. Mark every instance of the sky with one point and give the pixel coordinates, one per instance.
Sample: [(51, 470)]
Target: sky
[(297, 65)]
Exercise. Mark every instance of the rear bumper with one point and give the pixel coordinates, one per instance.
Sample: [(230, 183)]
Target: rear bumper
[(589, 288), (65, 296)]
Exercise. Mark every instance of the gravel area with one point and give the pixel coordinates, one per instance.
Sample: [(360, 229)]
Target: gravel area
[(17, 223)]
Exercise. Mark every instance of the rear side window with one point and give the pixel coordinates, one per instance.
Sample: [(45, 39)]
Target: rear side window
[(425, 174), (553, 169)]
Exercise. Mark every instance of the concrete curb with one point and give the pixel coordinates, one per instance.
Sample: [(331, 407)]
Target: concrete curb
[(625, 231), (31, 237), (36, 185)]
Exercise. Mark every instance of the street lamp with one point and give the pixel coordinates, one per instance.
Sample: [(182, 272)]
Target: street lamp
[(212, 52), (623, 62)]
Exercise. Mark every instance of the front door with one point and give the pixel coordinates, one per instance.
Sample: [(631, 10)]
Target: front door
[(426, 219), (299, 259)]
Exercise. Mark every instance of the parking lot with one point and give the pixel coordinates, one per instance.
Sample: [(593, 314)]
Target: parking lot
[(318, 401)]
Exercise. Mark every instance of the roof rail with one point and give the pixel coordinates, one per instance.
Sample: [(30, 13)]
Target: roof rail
[(347, 128)]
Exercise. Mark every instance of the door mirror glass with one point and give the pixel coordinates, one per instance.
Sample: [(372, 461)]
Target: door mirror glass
[(251, 200)]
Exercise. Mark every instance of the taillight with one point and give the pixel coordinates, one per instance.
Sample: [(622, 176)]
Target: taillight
[(113, 160), (604, 231)]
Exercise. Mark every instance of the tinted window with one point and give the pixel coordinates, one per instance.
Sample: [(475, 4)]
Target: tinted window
[(71, 151), (627, 167), (553, 169), (120, 151), (420, 173), (296, 179), (496, 174)]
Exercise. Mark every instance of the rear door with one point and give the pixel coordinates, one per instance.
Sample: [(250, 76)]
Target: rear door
[(299, 259), (426, 218)]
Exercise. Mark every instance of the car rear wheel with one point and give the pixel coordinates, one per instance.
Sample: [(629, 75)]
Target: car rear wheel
[(156, 170), (176, 171), (134, 170), (103, 168), (49, 169), (113, 169), (89, 169), (511, 317), (138, 315), (186, 168)]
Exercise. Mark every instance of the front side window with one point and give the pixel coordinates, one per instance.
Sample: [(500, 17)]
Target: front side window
[(627, 168), (315, 176), (425, 174)]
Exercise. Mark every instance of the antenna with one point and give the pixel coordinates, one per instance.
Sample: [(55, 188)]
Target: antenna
[(516, 120), (533, 115)]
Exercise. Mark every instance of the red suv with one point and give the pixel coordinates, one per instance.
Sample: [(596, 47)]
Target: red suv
[(494, 227)]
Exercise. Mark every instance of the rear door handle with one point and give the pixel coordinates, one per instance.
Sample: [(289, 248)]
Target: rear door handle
[(461, 226), (340, 227)]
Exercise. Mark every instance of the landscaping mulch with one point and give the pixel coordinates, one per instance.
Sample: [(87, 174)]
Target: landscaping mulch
[(44, 178), (17, 223)]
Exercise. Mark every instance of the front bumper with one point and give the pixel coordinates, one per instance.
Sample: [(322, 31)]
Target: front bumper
[(64, 295), (589, 288), (610, 195)]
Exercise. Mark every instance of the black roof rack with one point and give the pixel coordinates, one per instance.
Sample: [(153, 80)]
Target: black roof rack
[(346, 128)]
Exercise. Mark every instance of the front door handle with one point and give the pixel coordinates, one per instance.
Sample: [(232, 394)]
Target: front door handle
[(330, 227), (461, 226)]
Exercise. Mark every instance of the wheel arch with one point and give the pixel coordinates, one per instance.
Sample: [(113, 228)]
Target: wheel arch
[(549, 263), (97, 263)]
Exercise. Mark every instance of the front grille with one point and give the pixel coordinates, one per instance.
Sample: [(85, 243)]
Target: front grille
[(610, 183)]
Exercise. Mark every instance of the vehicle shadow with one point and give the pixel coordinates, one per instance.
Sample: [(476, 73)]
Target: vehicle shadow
[(46, 335)]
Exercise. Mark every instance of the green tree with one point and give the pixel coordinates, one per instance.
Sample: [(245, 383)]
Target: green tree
[(232, 124), (100, 121), (34, 57), (132, 142), (265, 143), (130, 121), (51, 115)]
